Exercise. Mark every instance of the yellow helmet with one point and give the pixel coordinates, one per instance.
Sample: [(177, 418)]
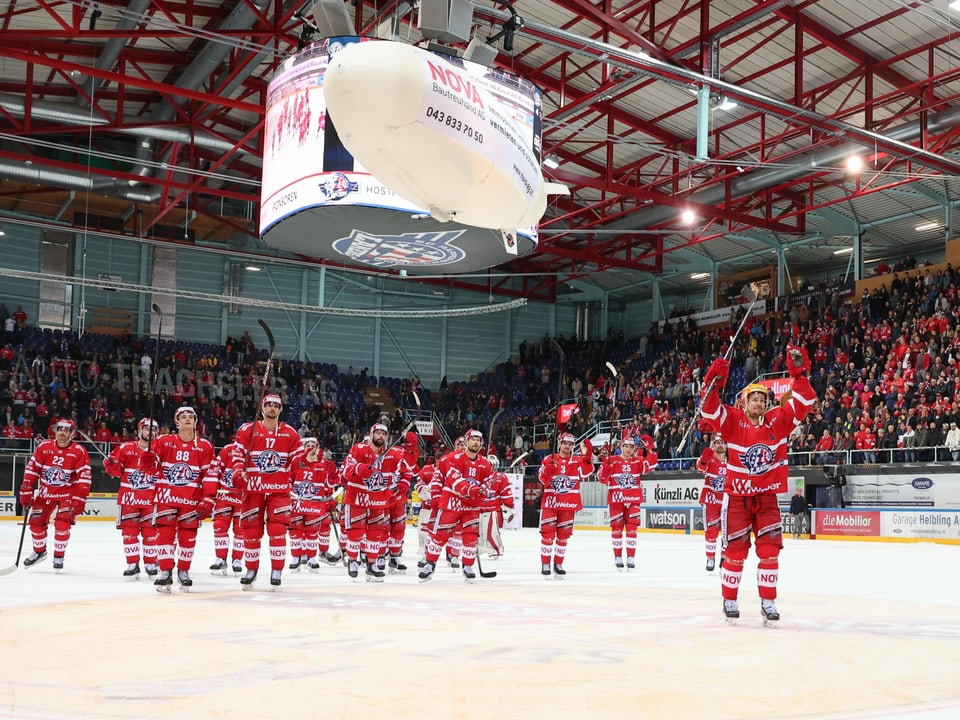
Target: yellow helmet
[(755, 388)]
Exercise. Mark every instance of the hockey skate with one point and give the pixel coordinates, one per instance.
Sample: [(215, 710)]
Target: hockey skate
[(469, 575), (453, 560), (374, 573), (769, 612), (353, 569), (631, 564), (313, 566), (396, 566), (618, 562), (427, 572), (382, 564), (246, 582), (57, 563), (219, 567), (132, 572), (711, 564), (296, 564), (558, 570), (151, 569), (164, 581), (731, 611), (275, 579), (34, 557), (237, 566), (545, 570), (183, 577), (332, 559)]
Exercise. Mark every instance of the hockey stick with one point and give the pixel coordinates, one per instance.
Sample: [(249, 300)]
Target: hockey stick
[(488, 575), (519, 458), (616, 381), (397, 440), (96, 445), (747, 292), (263, 384), (156, 373), (23, 534)]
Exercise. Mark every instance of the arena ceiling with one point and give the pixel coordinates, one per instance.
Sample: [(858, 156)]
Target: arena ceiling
[(150, 113)]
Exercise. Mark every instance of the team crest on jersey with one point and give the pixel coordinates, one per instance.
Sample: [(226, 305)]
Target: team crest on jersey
[(626, 480), (758, 459), (377, 481), (269, 461), (179, 474), (55, 477), (228, 479), (305, 489), (562, 483), (139, 480), (718, 481)]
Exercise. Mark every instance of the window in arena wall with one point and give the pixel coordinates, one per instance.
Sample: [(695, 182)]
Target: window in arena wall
[(56, 298)]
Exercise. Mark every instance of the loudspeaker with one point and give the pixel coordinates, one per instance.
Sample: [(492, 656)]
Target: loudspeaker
[(445, 20), (332, 19), (480, 52)]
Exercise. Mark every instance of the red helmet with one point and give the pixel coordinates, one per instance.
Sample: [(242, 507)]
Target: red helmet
[(379, 427), (147, 422), (65, 424), (567, 437), (628, 440), (470, 434), (310, 441)]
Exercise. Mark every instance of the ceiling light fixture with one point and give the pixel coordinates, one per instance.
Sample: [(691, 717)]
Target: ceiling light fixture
[(843, 251), (253, 268), (699, 275), (928, 225), (551, 162), (688, 217), (854, 163)]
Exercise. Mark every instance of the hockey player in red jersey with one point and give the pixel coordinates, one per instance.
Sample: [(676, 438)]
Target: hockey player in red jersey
[(56, 483), (226, 512), (315, 481), (621, 474), (271, 449), (465, 487), (560, 474), (397, 510), (756, 438), (455, 541), (185, 489), (496, 509), (713, 465), (135, 500), (373, 476)]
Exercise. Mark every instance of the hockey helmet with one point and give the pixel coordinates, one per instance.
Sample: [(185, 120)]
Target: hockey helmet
[(470, 434), (65, 424), (273, 398), (379, 427), (567, 438), (185, 410), (628, 440), (311, 441), (755, 388), (147, 422)]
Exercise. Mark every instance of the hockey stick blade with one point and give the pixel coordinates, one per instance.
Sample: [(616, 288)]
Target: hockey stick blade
[(612, 368), (488, 575), (519, 458), (269, 334), (8, 570)]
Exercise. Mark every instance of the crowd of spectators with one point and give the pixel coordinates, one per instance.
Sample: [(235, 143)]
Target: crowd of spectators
[(885, 368)]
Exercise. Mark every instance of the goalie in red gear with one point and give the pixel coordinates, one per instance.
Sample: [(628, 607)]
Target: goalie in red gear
[(560, 474), (621, 474), (56, 483), (713, 465), (757, 443), (135, 500), (497, 508)]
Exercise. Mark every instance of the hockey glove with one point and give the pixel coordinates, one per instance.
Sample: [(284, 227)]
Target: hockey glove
[(411, 443), (149, 463), (205, 507), (475, 493), (26, 498), (719, 370), (647, 442), (798, 361), (508, 515), (113, 467)]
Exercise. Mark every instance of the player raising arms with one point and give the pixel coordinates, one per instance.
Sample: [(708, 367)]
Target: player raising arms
[(756, 439), (560, 474), (713, 465), (465, 487), (56, 483), (135, 500), (622, 473), (271, 449), (180, 463)]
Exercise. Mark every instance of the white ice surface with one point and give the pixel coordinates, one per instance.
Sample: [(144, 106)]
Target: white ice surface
[(869, 630)]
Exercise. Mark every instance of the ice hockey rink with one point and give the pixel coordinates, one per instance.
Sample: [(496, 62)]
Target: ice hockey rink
[(869, 630)]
